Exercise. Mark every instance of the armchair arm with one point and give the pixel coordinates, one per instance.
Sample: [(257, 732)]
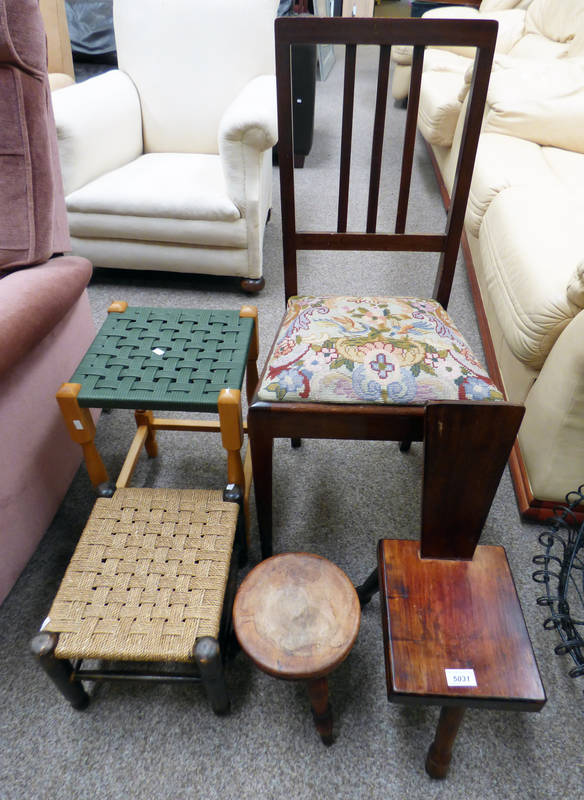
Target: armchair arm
[(99, 127), (247, 129)]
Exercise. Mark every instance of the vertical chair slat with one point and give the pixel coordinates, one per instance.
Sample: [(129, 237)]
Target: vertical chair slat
[(346, 136), (409, 139), (378, 134)]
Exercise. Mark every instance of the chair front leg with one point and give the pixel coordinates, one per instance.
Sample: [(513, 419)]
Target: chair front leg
[(262, 444)]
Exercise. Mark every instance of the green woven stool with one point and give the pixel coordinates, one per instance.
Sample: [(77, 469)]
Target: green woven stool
[(165, 359), (152, 580)]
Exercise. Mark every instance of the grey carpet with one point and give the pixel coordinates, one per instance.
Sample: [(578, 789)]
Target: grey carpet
[(332, 498)]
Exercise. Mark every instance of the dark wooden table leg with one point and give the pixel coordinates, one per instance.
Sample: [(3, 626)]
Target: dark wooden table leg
[(321, 709), (59, 670), (440, 752), (366, 590)]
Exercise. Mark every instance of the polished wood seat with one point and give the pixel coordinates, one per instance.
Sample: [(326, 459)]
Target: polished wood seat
[(297, 616), (454, 636)]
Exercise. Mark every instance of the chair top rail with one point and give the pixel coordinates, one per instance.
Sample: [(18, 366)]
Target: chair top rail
[(386, 31)]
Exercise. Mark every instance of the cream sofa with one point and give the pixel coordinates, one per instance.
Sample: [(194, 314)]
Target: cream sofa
[(510, 14), (167, 161), (525, 234)]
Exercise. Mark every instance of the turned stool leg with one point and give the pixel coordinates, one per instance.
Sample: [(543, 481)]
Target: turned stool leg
[(440, 752), (208, 659), (59, 670), (321, 709), (82, 430), (146, 418), (231, 425)]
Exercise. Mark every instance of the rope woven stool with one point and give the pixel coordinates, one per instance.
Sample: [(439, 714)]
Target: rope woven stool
[(165, 359), (152, 579)]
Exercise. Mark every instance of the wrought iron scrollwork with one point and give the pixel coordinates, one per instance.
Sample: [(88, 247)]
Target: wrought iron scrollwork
[(562, 572)]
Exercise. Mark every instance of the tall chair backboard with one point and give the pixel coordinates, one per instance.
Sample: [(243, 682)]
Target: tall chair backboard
[(426, 383)]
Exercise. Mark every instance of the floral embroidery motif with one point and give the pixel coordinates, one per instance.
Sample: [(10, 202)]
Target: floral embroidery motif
[(372, 350)]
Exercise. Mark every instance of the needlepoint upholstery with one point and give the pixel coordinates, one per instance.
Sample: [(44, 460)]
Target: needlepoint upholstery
[(384, 350), (148, 576), (164, 358)]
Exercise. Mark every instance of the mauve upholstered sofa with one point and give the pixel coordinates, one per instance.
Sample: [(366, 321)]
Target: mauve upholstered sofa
[(45, 319)]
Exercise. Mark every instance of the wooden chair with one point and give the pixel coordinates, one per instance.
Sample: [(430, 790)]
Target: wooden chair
[(405, 372)]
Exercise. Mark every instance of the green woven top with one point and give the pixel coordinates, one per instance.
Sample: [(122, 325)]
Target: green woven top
[(164, 358)]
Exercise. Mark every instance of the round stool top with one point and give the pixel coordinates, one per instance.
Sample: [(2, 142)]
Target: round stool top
[(296, 615)]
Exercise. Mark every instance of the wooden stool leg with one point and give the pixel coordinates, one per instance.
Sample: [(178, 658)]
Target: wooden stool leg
[(321, 709), (82, 430), (208, 659), (146, 418), (231, 424), (440, 752), (59, 670), (367, 589), (251, 375)]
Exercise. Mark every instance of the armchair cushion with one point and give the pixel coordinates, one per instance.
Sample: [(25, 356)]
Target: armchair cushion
[(164, 197), (372, 350), (99, 127)]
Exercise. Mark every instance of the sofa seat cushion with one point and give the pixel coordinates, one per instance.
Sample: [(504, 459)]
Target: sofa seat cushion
[(33, 301), (531, 255), (164, 197), (382, 350), (566, 166)]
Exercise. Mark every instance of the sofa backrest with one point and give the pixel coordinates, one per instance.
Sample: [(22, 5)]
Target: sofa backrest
[(502, 5), (33, 221), (558, 20), (189, 60)]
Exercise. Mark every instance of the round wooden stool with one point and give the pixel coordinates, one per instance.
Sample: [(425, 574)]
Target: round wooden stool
[(297, 616)]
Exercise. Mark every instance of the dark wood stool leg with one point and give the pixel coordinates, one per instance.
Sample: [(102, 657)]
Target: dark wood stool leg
[(440, 752), (59, 670), (321, 709), (208, 659), (367, 589)]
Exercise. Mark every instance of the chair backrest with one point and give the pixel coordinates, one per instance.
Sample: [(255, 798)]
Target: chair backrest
[(384, 33), (189, 59)]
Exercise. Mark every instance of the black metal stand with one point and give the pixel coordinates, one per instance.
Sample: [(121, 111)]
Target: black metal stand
[(562, 573)]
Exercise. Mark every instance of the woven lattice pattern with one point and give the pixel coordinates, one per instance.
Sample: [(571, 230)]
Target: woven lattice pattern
[(147, 578), (164, 358)]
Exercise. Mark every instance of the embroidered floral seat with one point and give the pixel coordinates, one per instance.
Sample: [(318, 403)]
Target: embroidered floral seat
[(399, 350)]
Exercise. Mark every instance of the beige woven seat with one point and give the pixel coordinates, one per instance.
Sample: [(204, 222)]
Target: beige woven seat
[(151, 580)]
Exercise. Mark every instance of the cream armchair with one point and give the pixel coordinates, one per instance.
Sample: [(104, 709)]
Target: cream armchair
[(166, 161)]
